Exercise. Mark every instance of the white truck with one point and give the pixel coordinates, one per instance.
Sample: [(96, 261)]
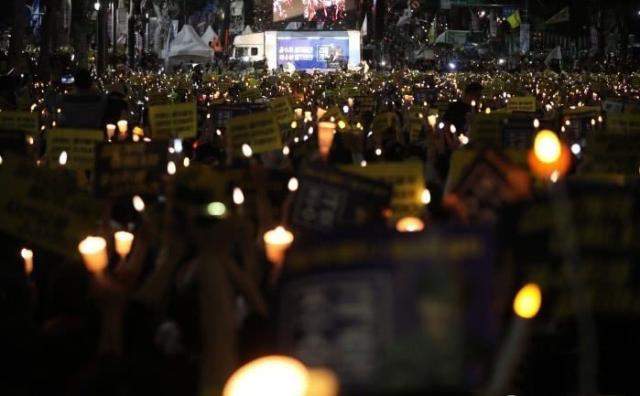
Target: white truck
[(302, 50)]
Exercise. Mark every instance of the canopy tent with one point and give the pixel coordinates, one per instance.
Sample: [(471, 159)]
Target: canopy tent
[(187, 46), (209, 36)]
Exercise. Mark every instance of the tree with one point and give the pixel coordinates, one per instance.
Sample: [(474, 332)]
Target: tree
[(80, 28), (16, 44)]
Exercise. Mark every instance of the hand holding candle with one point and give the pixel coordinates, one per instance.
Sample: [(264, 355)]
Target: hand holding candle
[(27, 256), (94, 254), (326, 130), (277, 241), (123, 240)]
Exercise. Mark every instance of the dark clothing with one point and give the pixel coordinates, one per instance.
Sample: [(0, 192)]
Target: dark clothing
[(83, 111), (456, 114)]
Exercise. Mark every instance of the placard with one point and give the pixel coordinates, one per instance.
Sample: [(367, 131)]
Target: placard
[(486, 129), (526, 104), (173, 121), (130, 168), (23, 121), (618, 123), (79, 145), (258, 130), (44, 207), (379, 310), (329, 200), (407, 179), (281, 109)]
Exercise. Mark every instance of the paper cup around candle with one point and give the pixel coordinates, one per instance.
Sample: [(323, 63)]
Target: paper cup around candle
[(123, 240), (277, 241), (111, 130), (94, 253), (298, 112), (123, 127), (27, 256), (326, 131)]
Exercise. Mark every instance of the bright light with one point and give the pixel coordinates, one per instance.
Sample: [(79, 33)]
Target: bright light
[(546, 147), (528, 300), (285, 150), (341, 124), (425, 197), (363, 163), (138, 203), (378, 152), (409, 224), (246, 150), (96, 6), (293, 184), (171, 168), (186, 162), (294, 124), (576, 149), (177, 145), (536, 123), (271, 375), (452, 66), (463, 139), (238, 196), (452, 128), (62, 159), (501, 61), (345, 109), (216, 209)]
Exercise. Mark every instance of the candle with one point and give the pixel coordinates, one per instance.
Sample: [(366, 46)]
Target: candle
[(27, 256), (308, 116), (409, 224), (277, 241), (269, 375), (123, 240), (123, 126), (94, 253), (432, 119), (111, 130), (326, 131), (350, 102), (298, 112), (549, 158), (526, 306)]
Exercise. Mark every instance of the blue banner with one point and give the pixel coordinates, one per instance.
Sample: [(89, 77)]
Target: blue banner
[(313, 52)]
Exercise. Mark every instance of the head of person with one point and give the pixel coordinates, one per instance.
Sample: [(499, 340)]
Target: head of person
[(83, 80), (472, 92)]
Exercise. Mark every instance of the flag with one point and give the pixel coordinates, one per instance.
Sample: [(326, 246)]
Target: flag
[(554, 54), (432, 31), (363, 28), (514, 19), (562, 16)]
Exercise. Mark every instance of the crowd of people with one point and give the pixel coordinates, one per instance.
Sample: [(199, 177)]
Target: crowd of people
[(200, 292)]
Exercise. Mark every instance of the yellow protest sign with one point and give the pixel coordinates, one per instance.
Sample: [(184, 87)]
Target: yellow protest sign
[(258, 130), (19, 121), (281, 109), (522, 103), (45, 207), (79, 144), (623, 123), (173, 121), (486, 129), (407, 179)]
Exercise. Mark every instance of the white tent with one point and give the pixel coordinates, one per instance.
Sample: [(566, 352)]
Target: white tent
[(209, 36), (189, 47)]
